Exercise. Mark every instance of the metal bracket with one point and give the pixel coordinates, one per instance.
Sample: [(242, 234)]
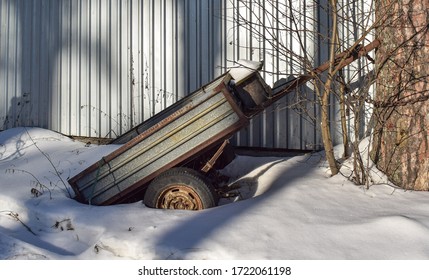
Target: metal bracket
[(211, 162)]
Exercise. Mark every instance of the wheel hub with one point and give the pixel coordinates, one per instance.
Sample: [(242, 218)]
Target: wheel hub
[(179, 197)]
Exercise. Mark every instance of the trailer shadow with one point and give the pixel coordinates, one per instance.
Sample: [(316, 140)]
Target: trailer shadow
[(188, 236), (248, 186)]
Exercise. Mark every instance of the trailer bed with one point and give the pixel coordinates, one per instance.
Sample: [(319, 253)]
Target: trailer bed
[(177, 134)]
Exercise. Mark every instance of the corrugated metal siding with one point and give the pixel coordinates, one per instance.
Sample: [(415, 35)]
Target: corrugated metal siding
[(99, 67), (283, 125)]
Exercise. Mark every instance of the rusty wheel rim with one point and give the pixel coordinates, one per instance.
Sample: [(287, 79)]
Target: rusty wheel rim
[(179, 197)]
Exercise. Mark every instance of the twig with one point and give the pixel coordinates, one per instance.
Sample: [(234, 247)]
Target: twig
[(57, 173), (15, 216), (38, 183)]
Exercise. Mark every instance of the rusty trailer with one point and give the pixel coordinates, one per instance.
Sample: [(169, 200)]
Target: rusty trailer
[(176, 147), (169, 161)]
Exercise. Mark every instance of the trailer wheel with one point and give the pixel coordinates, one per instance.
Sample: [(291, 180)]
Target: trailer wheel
[(180, 188)]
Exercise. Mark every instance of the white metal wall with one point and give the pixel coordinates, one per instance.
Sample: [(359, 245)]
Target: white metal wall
[(98, 67)]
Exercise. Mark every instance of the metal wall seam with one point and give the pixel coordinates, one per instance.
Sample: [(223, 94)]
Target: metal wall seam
[(4, 100)]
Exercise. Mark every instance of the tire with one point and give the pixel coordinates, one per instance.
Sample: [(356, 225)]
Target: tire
[(180, 188)]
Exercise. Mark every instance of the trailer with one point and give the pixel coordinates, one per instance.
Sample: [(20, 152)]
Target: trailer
[(170, 160)]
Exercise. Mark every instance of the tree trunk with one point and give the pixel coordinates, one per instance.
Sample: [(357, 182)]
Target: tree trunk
[(401, 139)]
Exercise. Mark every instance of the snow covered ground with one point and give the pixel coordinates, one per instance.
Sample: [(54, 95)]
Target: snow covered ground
[(289, 209)]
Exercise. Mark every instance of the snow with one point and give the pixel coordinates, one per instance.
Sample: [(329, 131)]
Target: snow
[(289, 208), (244, 68)]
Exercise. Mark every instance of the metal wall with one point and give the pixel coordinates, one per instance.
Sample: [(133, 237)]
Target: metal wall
[(99, 67)]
